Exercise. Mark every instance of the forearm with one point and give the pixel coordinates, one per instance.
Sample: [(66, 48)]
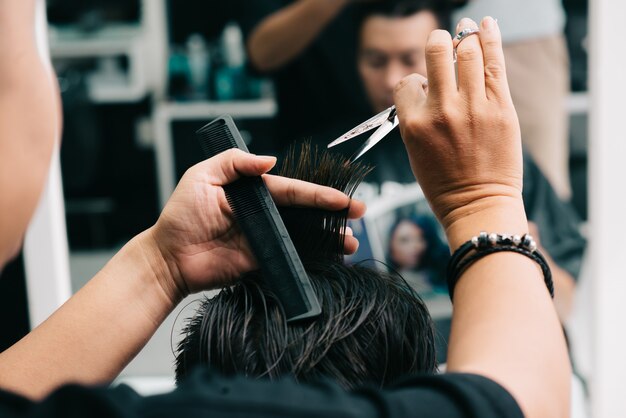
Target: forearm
[(504, 324), (93, 336), (285, 34)]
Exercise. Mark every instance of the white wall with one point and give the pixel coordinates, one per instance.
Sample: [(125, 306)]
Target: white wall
[(607, 205)]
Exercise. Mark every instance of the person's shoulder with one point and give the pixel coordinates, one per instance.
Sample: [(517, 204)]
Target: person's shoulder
[(451, 395)]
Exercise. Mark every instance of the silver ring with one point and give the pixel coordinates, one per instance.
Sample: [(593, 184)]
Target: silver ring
[(465, 33)]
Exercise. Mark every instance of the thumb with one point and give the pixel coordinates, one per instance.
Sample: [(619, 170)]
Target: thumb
[(409, 96), (232, 164)]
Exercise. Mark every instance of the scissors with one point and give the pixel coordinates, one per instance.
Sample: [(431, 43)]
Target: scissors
[(386, 120)]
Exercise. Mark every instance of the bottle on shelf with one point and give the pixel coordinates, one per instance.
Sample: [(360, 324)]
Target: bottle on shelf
[(179, 74), (230, 78), (199, 60)]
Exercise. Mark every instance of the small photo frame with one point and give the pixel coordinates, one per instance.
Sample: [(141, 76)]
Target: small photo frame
[(400, 233)]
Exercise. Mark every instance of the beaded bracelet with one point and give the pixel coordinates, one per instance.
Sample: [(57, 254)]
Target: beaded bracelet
[(484, 244)]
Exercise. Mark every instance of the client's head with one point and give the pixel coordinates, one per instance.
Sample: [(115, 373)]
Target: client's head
[(392, 42), (373, 329)]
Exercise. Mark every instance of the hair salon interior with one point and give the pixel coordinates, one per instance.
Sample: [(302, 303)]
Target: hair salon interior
[(138, 78)]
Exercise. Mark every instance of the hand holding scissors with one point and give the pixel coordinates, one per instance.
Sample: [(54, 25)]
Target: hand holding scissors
[(387, 120)]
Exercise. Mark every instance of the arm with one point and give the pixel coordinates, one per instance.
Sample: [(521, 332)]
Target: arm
[(194, 245), (283, 35), (29, 121), (97, 332), (504, 325)]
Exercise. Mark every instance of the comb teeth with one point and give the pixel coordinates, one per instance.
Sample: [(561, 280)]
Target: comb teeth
[(216, 138), (242, 202), (220, 135)]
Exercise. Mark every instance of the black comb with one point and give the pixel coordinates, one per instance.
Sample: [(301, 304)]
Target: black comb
[(258, 217)]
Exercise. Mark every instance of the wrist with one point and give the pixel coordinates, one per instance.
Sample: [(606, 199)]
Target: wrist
[(163, 270), (139, 278), (499, 214)]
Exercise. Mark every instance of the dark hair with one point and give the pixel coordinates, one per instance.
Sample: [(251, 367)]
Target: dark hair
[(373, 329), (437, 254), (403, 8)]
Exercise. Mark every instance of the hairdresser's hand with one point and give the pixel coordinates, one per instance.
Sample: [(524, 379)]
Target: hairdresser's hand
[(197, 234), (463, 138)]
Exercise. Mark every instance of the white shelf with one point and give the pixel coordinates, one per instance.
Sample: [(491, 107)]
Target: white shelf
[(112, 41), (578, 103), (109, 41), (264, 108), (168, 112)]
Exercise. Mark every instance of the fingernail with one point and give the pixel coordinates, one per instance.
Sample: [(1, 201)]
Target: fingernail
[(266, 158), (488, 23), (466, 23)]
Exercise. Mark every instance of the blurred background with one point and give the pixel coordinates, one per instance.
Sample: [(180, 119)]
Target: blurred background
[(139, 77)]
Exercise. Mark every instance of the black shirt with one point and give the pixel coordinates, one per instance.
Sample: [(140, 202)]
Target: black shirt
[(321, 86), (207, 394)]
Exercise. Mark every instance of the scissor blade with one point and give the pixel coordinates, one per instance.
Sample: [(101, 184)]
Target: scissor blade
[(368, 125), (376, 137)]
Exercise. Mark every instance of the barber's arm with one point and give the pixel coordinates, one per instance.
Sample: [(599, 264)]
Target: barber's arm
[(194, 245), (29, 120), (283, 35), (504, 323)]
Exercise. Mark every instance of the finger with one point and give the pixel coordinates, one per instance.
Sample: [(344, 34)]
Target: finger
[(230, 165), (348, 231), (440, 66), (496, 84), (292, 192), (470, 65), (350, 245), (357, 209), (410, 96)]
